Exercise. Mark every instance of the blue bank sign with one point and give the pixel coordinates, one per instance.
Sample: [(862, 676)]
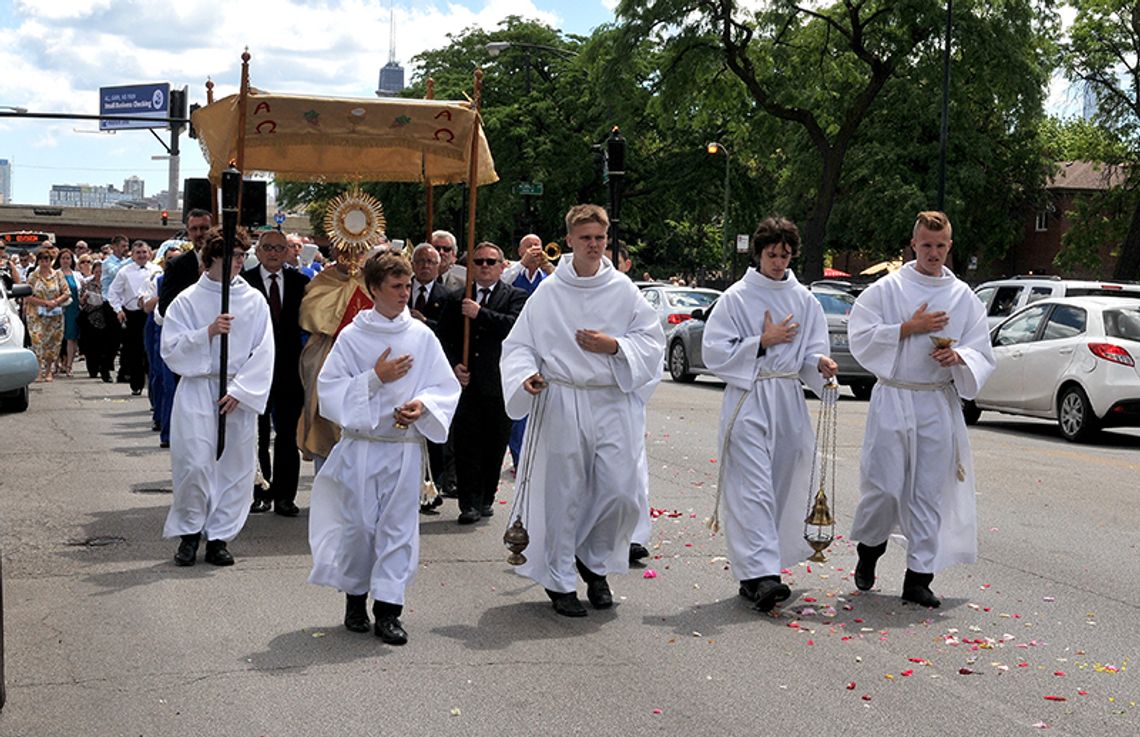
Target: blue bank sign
[(147, 100)]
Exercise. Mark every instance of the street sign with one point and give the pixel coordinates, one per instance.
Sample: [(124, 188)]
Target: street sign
[(279, 218), (530, 189), (147, 100), (742, 243)]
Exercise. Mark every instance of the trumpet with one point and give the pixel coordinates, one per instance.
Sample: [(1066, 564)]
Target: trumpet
[(552, 251)]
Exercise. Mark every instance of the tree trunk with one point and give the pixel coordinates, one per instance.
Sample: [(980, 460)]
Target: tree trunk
[(1128, 262), (815, 229)]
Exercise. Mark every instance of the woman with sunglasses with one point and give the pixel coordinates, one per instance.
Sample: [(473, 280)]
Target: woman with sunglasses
[(45, 319)]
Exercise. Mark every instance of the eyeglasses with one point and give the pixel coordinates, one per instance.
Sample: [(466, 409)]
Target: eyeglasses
[(276, 248), (445, 249), (484, 261)]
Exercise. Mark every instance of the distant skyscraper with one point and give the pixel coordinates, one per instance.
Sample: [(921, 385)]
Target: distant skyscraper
[(1088, 102), (5, 181), (391, 74), (134, 187)]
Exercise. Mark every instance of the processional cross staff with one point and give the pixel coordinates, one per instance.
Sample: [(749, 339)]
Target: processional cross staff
[(231, 189)]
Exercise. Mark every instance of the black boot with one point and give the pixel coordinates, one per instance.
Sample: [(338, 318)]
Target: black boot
[(597, 589), (865, 569), (187, 550), (567, 604), (916, 589), (388, 627), (217, 554), (765, 592), (356, 612)]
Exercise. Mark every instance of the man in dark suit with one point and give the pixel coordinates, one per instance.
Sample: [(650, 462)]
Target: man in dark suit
[(426, 303), (283, 289), (481, 427), (183, 272)]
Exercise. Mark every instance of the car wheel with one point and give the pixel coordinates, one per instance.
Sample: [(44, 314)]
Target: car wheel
[(679, 363), (1075, 415), (17, 401), (862, 390), (970, 412)]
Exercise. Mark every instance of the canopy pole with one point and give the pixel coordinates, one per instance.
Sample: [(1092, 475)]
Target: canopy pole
[(243, 104), (213, 185), (427, 178), (472, 196)]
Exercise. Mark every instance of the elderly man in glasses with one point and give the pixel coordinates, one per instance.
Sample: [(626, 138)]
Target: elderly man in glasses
[(481, 427), (283, 289), (451, 275)]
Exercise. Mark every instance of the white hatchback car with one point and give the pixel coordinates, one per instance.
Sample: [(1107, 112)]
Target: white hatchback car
[(1071, 359)]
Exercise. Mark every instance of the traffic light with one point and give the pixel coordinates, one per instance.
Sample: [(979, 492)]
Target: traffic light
[(193, 131), (165, 217)]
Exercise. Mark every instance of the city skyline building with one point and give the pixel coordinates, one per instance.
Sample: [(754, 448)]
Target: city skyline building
[(5, 182), (392, 73)]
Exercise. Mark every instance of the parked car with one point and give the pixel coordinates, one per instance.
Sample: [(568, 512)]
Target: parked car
[(1072, 360), (675, 305), (683, 344), (1004, 297), (18, 365)]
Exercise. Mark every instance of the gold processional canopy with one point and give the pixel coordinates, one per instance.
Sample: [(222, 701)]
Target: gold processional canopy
[(328, 139)]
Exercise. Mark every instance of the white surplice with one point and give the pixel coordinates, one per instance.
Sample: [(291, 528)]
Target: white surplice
[(767, 453), (916, 445), (364, 510), (585, 493), (214, 496)]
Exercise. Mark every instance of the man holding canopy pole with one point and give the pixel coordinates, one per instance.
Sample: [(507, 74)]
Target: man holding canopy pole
[(581, 360)]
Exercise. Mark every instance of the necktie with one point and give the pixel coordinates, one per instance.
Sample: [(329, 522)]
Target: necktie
[(421, 300), (484, 294), (274, 298)]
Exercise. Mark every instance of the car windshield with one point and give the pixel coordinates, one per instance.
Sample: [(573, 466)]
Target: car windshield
[(689, 299), (1123, 323), (835, 303)]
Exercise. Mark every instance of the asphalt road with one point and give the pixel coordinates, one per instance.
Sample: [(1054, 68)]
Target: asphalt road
[(105, 636)]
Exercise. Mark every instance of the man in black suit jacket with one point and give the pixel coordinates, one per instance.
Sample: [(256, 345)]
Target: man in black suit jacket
[(481, 428), (283, 289), (426, 303), (183, 272)]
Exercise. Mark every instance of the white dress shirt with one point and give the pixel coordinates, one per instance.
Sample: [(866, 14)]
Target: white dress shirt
[(131, 282)]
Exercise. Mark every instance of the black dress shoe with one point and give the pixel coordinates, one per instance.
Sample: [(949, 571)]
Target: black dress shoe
[(916, 589), (356, 613), (107, 379), (469, 516), (187, 550), (599, 594), (120, 379), (567, 605), (136, 392), (487, 511), (865, 569), (390, 631), (259, 506), (637, 552), (217, 554), (154, 426), (164, 443), (764, 592), (286, 509)]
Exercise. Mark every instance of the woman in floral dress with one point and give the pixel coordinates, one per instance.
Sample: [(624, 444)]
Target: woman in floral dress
[(45, 318), (65, 263)]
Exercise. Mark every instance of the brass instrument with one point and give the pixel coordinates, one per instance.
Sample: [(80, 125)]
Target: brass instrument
[(552, 251), (819, 525)]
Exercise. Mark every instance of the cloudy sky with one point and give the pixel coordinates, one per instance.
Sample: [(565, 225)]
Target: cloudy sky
[(60, 52)]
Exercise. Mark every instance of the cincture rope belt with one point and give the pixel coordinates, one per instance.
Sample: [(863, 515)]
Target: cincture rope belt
[(714, 521), (950, 393), (587, 387), (417, 439)]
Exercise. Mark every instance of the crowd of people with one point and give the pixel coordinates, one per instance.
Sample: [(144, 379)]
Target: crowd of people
[(408, 380)]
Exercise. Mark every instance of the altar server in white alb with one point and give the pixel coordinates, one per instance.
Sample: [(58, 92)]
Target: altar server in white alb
[(923, 333), (388, 385), (212, 497), (584, 354), (766, 335)]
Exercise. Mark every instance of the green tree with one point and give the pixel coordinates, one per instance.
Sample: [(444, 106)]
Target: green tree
[(1104, 43)]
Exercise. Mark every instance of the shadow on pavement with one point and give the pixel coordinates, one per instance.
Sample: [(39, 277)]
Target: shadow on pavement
[(292, 652), (502, 626), (1048, 430)]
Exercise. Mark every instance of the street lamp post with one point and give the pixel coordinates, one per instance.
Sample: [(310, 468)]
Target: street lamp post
[(714, 148)]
